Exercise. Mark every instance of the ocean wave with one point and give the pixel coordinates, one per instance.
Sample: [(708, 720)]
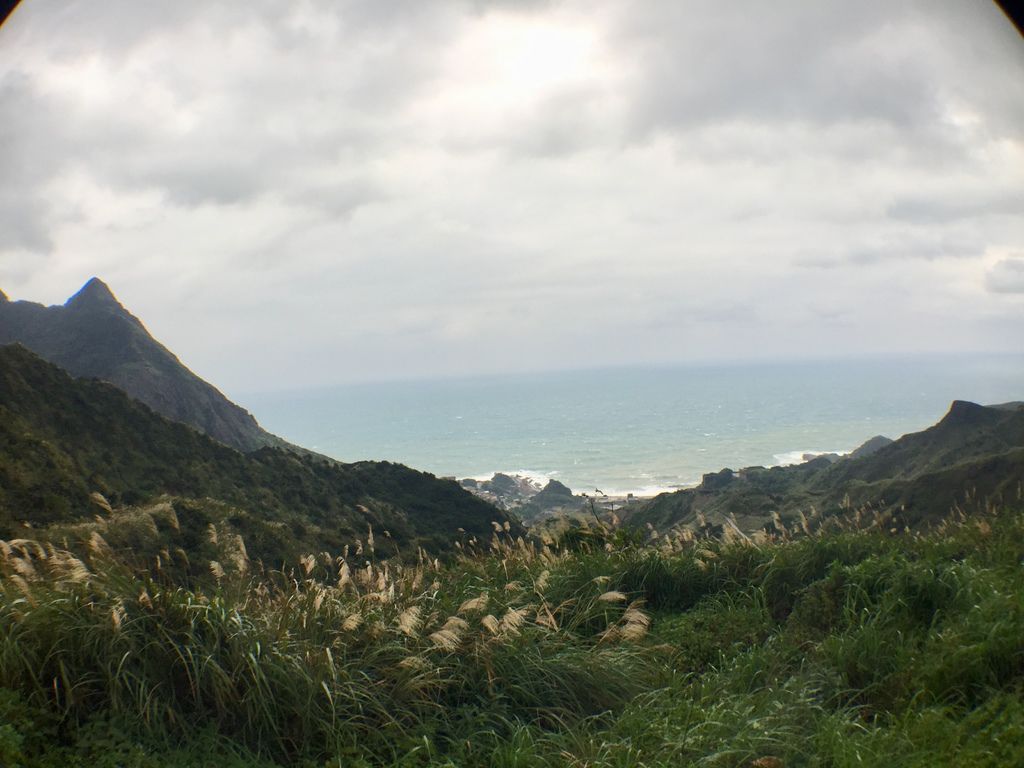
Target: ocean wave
[(647, 491), (789, 458), (539, 479), (536, 477)]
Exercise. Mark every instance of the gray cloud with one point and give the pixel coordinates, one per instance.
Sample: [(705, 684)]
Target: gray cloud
[(715, 62), (21, 223), (1007, 276), (25, 135), (821, 63), (897, 244), (938, 210), (917, 247), (359, 189), (249, 115), (339, 198)]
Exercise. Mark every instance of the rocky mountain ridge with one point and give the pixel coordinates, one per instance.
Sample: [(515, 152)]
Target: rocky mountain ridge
[(975, 453), (92, 335)]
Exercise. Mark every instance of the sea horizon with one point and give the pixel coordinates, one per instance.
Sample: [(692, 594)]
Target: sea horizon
[(641, 429)]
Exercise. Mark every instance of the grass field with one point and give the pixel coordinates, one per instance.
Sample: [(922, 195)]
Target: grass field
[(844, 645)]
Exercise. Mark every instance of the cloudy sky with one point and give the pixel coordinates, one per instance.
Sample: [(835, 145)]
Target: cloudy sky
[(293, 194)]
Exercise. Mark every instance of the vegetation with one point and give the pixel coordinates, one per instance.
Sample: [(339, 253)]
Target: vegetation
[(913, 480), (850, 644), (63, 440), (93, 336), (166, 600)]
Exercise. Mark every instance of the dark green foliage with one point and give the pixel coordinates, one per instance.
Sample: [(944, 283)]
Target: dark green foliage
[(715, 629), (846, 647), (62, 439)]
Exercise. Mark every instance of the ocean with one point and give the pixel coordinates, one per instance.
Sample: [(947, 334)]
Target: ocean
[(633, 430)]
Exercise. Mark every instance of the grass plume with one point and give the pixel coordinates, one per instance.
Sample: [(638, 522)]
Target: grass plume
[(821, 644)]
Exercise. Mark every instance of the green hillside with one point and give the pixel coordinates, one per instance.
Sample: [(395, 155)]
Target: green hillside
[(838, 649), (93, 336), (974, 452), (63, 439)]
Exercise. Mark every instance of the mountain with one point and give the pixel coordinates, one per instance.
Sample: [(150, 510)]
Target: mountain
[(975, 452), (93, 336), (966, 433), (65, 440)]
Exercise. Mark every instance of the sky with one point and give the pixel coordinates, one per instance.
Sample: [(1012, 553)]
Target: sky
[(299, 194)]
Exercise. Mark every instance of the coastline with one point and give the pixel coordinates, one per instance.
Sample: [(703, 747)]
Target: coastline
[(640, 432), (537, 479)]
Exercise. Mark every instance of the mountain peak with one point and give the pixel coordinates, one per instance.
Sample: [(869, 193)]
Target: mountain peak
[(94, 293), (964, 407), (965, 412)]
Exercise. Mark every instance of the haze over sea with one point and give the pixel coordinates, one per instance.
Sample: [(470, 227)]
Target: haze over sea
[(640, 430)]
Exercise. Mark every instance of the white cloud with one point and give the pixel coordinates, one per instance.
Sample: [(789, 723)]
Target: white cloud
[(358, 189)]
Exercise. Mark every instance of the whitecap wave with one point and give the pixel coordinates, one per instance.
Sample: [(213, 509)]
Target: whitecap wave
[(537, 478), (647, 491), (790, 458)]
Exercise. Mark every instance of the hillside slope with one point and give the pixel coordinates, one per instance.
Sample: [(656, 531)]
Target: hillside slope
[(62, 439), (92, 335), (974, 451)]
